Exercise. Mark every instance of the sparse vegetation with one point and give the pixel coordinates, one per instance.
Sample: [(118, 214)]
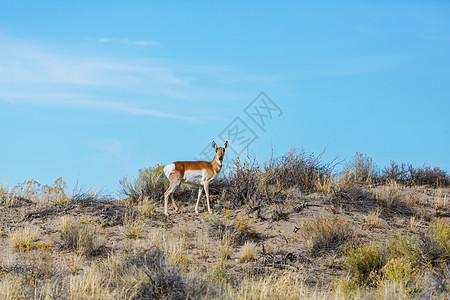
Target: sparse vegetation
[(23, 238), (408, 174), (365, 263), (43, 195), (81, 236), (360, 170), (133, 226), (325, 233), (285, 229), (150, 185)]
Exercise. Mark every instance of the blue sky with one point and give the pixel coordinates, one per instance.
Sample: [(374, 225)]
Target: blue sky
[(94, 90)]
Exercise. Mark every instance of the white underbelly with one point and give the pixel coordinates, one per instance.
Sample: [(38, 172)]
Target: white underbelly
[(196, 177)]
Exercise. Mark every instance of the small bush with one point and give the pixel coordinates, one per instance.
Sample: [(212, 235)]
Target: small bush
[(408, 174), (243, 184), (327, 233), (298, 169), (44, 195), (360, 170), (150, 184), (399, 271), (435, 244), (365, 263), (23, 239), (248, 252), (81, 236)]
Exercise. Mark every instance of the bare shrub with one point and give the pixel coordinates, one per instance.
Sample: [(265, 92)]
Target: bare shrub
[(243, 184), (433, 176), (408, 174), (325, 233), (298, 169), (350, 195)]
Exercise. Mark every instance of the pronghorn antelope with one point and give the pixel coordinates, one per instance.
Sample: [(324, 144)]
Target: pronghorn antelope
[(197, 173)]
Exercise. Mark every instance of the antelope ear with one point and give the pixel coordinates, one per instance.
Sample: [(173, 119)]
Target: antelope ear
[(226, 145), (214, 145)]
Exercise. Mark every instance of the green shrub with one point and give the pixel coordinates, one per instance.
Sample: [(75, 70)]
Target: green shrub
[(151, 184), (435, 244), (365, 263)]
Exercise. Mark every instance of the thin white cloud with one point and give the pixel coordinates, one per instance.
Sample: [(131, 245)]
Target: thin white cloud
[(82, 102), (144, 43), (108, 146), (32, 75)]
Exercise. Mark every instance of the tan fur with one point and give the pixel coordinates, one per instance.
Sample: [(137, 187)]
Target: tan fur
[(211, 169)]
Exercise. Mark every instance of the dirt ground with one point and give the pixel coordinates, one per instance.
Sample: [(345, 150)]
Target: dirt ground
[(279, 235)]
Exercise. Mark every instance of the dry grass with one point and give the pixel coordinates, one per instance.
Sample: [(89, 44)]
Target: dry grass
[(248, 252), (441, 201), (23, 238), (289, 285), (325, 233), (414, 224), (146, 207), (163, 258), (392, 199), (373, 219), (133, 226), (82, 236), (360, 170), (173, 246), (223, 249)]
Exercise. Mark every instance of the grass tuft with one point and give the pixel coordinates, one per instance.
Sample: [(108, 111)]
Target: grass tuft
[(81, 236), (325, 233)]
